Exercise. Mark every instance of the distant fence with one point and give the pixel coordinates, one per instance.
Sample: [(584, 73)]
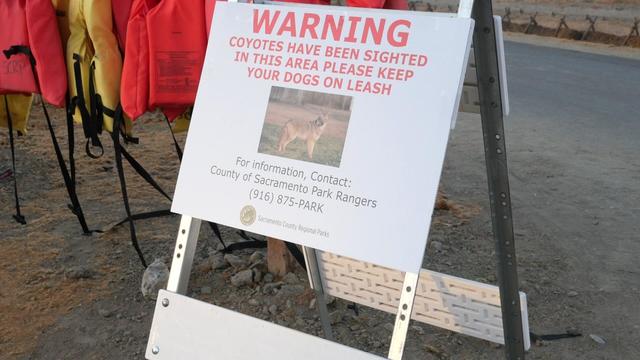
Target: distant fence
[(555, 25)]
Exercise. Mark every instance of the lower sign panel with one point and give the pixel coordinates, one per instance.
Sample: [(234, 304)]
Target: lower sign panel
[(190, 329)]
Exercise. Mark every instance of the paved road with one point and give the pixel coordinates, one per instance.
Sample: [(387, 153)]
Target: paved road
[(574, 141), (580, 114)]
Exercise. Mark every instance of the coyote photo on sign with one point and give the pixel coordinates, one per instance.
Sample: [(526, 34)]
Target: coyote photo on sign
[(305, 125)]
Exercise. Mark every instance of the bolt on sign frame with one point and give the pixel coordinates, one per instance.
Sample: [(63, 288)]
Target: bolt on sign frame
[(184, 327)]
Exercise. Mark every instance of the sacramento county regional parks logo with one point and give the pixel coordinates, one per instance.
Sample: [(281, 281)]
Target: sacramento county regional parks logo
[(248, 215)]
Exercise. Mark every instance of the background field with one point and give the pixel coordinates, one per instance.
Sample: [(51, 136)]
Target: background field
[(328, 149)]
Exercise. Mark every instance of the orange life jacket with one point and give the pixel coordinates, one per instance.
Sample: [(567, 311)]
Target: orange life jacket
[(28, 33), (164, 54), (177, 44)]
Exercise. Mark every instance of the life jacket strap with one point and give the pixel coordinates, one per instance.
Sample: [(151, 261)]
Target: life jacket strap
[(175, 141), (69, 179), (18, 215), (115, 136), (88, 120)]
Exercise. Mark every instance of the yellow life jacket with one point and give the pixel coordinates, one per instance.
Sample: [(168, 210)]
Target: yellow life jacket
[(181, 123), (19, 107), (94, 66)]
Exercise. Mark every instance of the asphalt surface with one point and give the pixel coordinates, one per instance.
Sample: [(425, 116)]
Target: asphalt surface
[(574, 151)]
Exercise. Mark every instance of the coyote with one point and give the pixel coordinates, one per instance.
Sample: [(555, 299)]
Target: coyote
[(309, 130)]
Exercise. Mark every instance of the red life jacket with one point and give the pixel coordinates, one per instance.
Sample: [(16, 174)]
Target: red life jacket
[(177, 44), (120, 10), (134, 85), (29, 31), (209, 7), (379, 4)]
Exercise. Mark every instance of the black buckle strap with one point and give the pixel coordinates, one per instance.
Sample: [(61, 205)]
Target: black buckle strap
[(173, 136), (142, 171), (18, 215), (69, 179), (115, 136), (88, 120)]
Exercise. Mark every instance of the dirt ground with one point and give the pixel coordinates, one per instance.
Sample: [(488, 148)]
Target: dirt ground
[(69, 296)]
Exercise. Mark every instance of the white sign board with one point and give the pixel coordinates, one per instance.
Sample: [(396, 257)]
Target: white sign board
[(326, 127)]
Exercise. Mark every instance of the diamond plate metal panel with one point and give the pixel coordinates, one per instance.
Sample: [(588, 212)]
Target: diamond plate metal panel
[(449, 302)]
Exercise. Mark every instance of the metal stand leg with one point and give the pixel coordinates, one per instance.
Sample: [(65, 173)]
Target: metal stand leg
[(183, 254), (497, 175), (405, 308), (316, 284)]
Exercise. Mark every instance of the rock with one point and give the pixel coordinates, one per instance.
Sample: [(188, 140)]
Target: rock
[(203, 268), (273, 309), (78, 272), (256, 257), (236, 262), (291, 279), (105, 313), (155, 277), (435, 351), (388, 326), (418, 329), (268, 278), (220, 247), (335, 317), (271, 287), (257, 275), (597, 338), (253, 302), (312, 304), (572, 293), (206, 290), (217, 261), (328, 299), (289, 304), (289, 291), (243, 278), (437, 245)]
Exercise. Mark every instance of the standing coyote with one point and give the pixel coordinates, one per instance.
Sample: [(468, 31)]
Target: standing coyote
[(309, 130)]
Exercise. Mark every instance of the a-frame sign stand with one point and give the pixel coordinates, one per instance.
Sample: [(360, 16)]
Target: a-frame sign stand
[(491, 110)]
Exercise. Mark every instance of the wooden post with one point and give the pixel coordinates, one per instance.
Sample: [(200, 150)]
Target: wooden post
[(279, 259)]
